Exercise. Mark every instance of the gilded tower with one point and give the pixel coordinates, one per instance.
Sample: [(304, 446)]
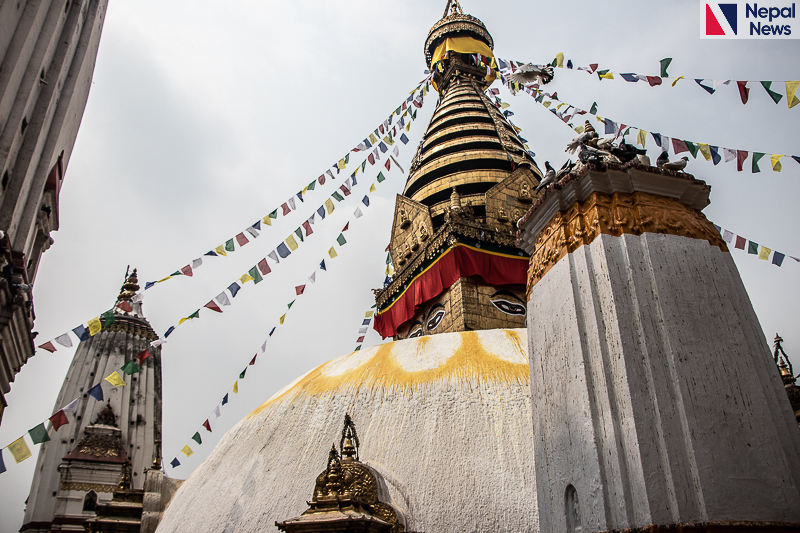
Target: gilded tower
[(113, 438), (471, 179)]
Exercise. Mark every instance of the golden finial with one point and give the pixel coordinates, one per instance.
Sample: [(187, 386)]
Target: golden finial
[(349, 442), (157, 455), (588, 126), (129, 288)]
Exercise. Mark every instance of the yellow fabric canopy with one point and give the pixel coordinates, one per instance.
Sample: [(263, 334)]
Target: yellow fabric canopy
[(461, 45)]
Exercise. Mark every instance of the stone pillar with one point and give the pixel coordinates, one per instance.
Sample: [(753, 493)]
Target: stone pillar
[(655, 399)]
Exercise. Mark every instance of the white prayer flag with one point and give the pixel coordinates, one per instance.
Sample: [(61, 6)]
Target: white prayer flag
[(357, 212), (64, 340), (222, 299), (252, 231), (197, 262), (71, 406), (730, 155)]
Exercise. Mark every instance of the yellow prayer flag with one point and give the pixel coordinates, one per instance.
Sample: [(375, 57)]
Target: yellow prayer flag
[(764, 253), (547, 103), (559, 106), (356, 172), (305, 189), (791, 89), (236, 387), (332, 253), (641, 138), (19, 450), (220, 250), (560, 60), (116, 380), (504, 105), (776, 162), (182, 320), (424, 90), (291, 242), (369, 314), (266, 220), (187, 451), (95, 326), (164, 279), (608, 75), (373, 139), (676, 80), (389, 270), (244, 279), (280, 321), (705, 150), (579, 129), (329, 206), (340, 165), (372, 188), (408, 126)]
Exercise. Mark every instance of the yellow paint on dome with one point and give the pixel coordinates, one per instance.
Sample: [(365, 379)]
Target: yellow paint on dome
[(486, 356)]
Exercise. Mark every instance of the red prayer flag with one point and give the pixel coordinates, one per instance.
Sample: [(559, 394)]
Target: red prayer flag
[(253, 360), (679, 146), (59, 419), (125, 306), (740, 158), (388, 164), (187, 271), (286, 209), (213, 306), (360, 339), (371, 159), (381, 128), (740, 242), (344, 189), (207, 426), (387, 247), (264, 267), (321, 179), (653, 80), (346, 227), (241, 239), (299, 289), (48, 346), (142, 356), (307, 227), (744, 92), (593, 66)]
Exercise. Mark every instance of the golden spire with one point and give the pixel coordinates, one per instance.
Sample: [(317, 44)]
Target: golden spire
[(129, 288)]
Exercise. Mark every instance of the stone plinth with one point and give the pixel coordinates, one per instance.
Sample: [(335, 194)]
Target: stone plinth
[(656, 401)]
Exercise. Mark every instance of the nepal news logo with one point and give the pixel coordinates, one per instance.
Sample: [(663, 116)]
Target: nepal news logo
[(746, 20)]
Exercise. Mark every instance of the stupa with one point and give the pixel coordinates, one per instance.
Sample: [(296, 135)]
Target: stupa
[(443, 412)]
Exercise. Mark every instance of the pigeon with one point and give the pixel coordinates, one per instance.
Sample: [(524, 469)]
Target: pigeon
[(626, 152), (663, 158), (530, 73), (564, 171), (549, 177), (581, 139), (589, 154), (604, 144), (678, 165), (643, 160)]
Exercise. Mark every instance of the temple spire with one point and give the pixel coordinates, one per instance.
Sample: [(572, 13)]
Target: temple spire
[(129, 288)]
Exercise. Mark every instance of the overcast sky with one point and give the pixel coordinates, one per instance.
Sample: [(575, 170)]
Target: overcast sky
[(205, 115)]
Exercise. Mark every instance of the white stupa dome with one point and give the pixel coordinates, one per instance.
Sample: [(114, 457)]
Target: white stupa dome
[(445, 419)]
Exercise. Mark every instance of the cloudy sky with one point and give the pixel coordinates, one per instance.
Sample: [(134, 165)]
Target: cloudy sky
[(206, 115)]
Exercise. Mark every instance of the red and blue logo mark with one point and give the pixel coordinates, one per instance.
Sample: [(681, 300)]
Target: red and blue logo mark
[(728, 17)]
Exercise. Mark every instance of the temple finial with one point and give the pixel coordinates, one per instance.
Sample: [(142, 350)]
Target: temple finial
[(349, 443), (129, 288)]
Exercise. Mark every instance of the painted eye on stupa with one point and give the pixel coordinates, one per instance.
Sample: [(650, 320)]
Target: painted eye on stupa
[(416, 333), (436, 316), (504, 301)]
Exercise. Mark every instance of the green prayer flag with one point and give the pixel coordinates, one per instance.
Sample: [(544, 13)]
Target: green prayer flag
[(108, 318), (388, 258), (299, 233), (398, 110), (39, 434), (664, 64), (347, 159), (177, 273), (196, 314), (229, 245), (337, 196), (311, 185), (274, 214), (776, 97), (357, 348), (593, 110), (414, 115), (196, 438), (601, 73), (363, 165), (752, 248), (131, 367), (255, 274), (554, 63), (241, 376), (341, 240), (756, 157), (380, 177), (290, 305), (692, 148)]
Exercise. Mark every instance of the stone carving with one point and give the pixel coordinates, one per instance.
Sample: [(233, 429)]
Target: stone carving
[(525, 194), (404, 221), (423, 233), (100, 446), (86, 487), (632, 214)]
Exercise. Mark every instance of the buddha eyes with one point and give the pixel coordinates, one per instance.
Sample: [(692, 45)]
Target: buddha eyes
[(417, 333), (435, 320), (509, 308)]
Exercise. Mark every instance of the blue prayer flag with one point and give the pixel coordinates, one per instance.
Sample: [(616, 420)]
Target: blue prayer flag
[(366, 200), (569, 63), (2, 464), (82, 333), (777, 258), (148, 284), (257, 225), (656, 137), (300, 195), (234, 288), (271, 332), (353, 177), (502, 64), (630, 77), (212, 253), (321, 212), (96, 392), (383, 148), (610, 126), (175, 462), (715, 157), (169, 331), (322, 265), (224, 399), (403, 138), (283, 250), (365, 322)]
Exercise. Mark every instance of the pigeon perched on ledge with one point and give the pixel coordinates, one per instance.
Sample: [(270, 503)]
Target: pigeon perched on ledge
[(663, 158), (678, 165), (581, 139), (531, 73), (549, 177)]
